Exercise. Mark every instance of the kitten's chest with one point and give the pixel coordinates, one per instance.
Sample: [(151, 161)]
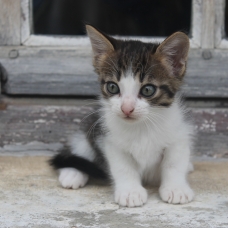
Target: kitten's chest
[(146, 148), (146, 152)]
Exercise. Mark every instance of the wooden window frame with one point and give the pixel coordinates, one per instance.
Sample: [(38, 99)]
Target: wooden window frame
[(30, 39), (54, 65), (220, 37)]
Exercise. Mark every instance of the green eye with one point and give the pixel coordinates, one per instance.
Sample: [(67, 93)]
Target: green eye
[(113, 88), (147, 90)]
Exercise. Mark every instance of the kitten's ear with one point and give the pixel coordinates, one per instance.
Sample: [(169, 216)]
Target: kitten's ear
[(101, 43), (174, 53)]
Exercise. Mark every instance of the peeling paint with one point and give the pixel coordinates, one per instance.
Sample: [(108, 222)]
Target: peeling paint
[(77, 120), (40, 121), (208, 125)]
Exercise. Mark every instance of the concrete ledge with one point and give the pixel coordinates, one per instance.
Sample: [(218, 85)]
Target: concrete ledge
[(30, 196), (51, 124)]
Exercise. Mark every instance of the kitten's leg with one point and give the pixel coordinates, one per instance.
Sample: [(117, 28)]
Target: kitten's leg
[(127, 182), (174, 186), (71, 177)]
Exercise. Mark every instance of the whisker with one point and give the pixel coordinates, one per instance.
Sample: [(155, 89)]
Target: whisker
[(91, 129), (94, 112), (159, 128), (157, 115), (93, 125), (89, 115)]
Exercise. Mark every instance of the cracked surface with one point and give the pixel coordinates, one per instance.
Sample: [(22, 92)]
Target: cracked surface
[(30, 196)]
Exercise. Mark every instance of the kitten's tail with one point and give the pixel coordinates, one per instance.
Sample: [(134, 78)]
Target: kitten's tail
[(61, 160)]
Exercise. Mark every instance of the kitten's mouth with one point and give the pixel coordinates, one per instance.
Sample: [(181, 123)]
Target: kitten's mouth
[(129, 118)]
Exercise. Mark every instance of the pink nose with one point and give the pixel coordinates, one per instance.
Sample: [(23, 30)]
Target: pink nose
[(127, 109)]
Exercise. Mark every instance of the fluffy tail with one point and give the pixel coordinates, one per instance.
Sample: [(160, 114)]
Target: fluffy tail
[(60, 161)]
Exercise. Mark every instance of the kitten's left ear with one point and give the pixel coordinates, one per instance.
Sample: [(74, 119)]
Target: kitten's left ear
[(174, 53)]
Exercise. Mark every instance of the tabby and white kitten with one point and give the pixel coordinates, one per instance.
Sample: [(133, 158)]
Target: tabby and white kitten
[(142, 136)]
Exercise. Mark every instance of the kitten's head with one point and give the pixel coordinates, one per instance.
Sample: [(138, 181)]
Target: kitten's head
[(136, 77)]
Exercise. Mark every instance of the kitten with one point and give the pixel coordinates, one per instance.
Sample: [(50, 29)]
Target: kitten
[(142, 136)]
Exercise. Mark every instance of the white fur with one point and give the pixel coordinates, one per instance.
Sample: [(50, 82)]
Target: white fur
[(151, 147), (72, 178), (80, 146)]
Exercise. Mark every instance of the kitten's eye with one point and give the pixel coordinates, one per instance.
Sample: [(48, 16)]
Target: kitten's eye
[(147, 90), (113, 88)]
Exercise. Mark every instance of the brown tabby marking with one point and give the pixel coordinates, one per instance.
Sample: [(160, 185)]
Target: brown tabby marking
[(150, 63)]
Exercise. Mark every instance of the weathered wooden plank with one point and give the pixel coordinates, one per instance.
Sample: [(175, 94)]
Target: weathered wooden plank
[(208, 23), (69, 72), (26, 20), (64, 41), (69, 41), (10, 15), (220, 37), (207, 74), (197, 9), (223, 44), (24, 123), (219, 22), (54, 84)]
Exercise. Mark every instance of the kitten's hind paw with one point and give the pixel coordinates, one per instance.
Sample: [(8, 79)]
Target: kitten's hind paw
[(176, 195), (72, 178), (133, 197)]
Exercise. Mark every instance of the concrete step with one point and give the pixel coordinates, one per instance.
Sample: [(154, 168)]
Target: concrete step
[(30, 196), (32, 130), (49, 121)]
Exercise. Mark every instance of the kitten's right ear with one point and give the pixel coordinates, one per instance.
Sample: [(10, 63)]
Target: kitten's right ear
[(100, 42), (174, 53)]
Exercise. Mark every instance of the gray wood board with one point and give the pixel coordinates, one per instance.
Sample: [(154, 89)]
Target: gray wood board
[(67, 71), (208, 22), (10, 19), (53, 124)]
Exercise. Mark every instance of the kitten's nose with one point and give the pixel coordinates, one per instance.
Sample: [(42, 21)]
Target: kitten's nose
[(127, 109)]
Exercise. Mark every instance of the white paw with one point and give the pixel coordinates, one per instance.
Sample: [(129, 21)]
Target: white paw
[(133, 197), (72, 178), (176, 195)]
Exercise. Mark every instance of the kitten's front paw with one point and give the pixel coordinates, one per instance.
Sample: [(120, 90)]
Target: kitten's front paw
[(72, 178), (133, 197), (176, 195)]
